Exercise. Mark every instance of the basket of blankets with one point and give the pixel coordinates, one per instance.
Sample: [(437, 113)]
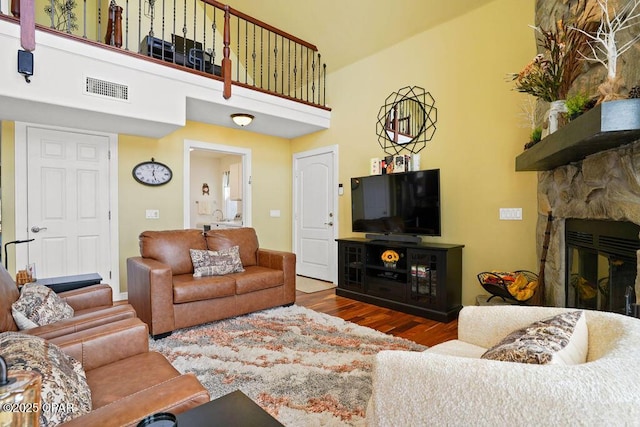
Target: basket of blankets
[(518, 286)]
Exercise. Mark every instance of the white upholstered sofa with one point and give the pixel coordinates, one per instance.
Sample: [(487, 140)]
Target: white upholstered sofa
[(450, 385)]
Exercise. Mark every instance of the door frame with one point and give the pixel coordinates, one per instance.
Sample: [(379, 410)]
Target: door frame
[(333, 150), (21, 205), (245, 153)]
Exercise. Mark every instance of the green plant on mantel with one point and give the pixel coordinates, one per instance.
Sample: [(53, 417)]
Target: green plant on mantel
[(65, 18), (576, 105), (536, 135)]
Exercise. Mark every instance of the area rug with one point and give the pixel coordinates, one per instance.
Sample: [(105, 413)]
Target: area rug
[(303, 367)]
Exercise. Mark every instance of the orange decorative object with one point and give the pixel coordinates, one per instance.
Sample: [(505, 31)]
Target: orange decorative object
[(390, 256)]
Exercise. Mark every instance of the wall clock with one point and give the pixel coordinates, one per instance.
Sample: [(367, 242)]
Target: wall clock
[(152, 173)]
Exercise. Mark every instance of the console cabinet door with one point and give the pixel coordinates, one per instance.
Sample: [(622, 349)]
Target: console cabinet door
[(351, 257), (427, 274)]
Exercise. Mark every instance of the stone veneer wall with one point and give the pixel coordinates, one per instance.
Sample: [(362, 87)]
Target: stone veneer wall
[(603, 186)]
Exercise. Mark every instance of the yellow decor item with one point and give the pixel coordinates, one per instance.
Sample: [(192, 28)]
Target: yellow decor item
[(522, 289), (390, 256)]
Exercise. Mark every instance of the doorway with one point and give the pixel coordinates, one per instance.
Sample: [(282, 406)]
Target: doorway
[(219, 204), (66, 201), (315, 213)]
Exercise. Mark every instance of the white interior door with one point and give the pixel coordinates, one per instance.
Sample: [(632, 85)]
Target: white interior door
[(315, 216), (68, 202)]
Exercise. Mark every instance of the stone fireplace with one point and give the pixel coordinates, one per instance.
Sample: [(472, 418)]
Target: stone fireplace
[(604, 186)]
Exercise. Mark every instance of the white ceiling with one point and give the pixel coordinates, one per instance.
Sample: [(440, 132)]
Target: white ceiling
[(345, 31)]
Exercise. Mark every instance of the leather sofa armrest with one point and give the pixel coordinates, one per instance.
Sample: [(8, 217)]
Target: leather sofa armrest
[(89, 297), (176, 396), (106, 344), (150, 292), (88, 320), (281, 260)]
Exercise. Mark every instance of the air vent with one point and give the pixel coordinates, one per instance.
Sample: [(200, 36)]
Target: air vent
[(106, 89), (579, 238)]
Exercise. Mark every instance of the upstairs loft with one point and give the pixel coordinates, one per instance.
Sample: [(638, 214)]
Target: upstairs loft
[(147, 67)]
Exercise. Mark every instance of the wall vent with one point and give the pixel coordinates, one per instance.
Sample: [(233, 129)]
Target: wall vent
[(106, 89)]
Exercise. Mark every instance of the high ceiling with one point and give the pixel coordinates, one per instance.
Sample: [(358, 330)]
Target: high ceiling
[(345, 31)]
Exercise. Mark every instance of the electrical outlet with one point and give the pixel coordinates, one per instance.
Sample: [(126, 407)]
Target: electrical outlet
[(511, 214), (275, 213)]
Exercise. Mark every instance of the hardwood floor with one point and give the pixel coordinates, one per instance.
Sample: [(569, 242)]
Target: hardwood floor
[(418, 329)]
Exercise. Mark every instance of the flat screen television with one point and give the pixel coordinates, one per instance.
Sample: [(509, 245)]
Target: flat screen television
[(398, 203)]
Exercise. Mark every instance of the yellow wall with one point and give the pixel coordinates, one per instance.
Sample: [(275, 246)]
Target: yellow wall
[(7, 159), (271, 185), (463, 64)]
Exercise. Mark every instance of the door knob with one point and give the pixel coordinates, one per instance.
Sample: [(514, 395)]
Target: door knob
[(37, 229)]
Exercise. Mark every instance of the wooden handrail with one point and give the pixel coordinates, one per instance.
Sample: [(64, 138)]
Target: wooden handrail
[(260, 23)]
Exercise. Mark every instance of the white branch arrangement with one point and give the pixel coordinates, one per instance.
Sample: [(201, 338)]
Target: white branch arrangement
[(604, 46), (528, 112)]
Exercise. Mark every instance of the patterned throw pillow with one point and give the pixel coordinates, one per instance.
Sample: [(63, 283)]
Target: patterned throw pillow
[(65, 393), (561, 339), (216, 263), (38, 305)]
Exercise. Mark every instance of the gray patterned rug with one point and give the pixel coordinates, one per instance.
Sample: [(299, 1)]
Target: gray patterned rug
[(305, 368)]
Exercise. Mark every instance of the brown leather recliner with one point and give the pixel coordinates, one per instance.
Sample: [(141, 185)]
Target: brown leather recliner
[(92, 305), (166, 296), (127, 381)]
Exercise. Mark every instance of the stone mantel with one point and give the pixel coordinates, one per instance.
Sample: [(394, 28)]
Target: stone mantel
[(607, 125)]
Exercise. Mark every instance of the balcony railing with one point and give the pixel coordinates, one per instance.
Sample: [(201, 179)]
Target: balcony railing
[(204, 36)]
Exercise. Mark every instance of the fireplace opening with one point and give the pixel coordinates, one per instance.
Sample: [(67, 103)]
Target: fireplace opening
[(601, 265)]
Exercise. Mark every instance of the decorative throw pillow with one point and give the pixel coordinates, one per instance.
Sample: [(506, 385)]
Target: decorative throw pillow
[(38, 305), (561, 339), (216, 263), (65, 393)]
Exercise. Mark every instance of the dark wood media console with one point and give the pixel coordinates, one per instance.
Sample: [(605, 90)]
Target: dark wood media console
[(426, 281)]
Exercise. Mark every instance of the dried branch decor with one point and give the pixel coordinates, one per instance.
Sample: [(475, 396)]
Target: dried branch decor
[(550, 74), (604, 44)]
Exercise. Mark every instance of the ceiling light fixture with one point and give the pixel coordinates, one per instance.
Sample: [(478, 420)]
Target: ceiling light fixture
[(242, 119)]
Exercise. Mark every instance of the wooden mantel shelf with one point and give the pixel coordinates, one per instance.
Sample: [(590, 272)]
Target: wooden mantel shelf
[(608, 125)]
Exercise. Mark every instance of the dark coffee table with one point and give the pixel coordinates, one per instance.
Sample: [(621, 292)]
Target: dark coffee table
[(231, 410)]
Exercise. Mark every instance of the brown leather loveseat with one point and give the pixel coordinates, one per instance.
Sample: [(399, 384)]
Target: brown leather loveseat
[(166, 296)]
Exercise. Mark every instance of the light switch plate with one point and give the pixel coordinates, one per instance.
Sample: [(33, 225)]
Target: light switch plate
[(274, 213), (152, 214), (511, 214)]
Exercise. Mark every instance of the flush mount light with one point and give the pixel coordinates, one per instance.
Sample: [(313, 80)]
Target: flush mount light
[(242, 119)]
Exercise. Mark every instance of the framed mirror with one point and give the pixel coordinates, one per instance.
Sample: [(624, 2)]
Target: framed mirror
[(406, 121)]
